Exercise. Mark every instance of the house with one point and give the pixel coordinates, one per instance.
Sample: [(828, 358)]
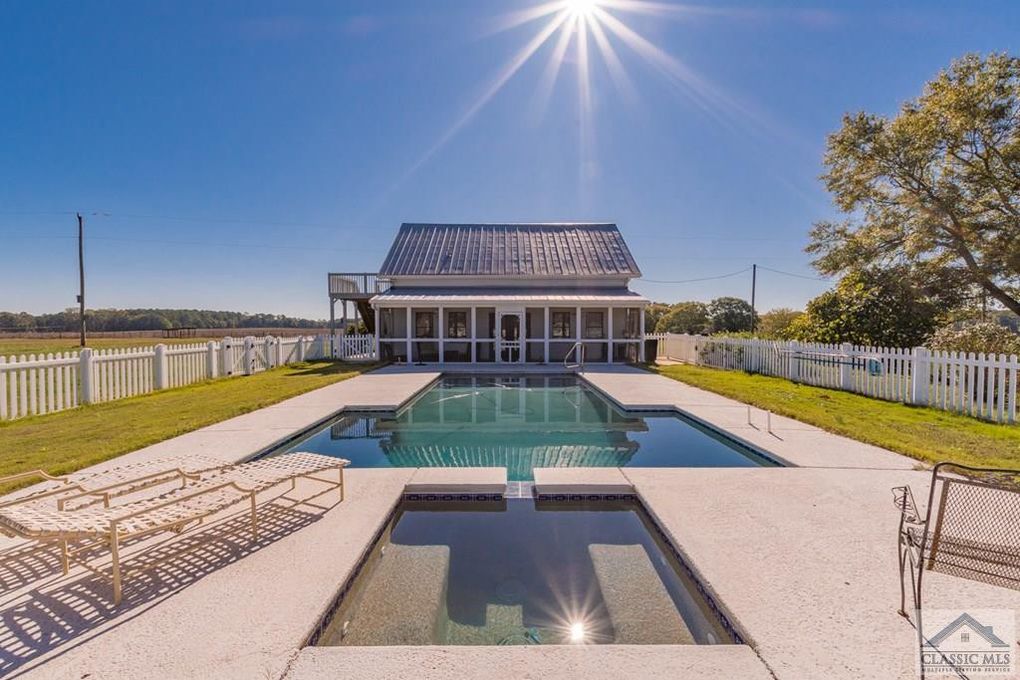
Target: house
[(508, 293)]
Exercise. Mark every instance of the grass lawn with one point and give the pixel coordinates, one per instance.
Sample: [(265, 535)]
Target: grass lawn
[(18, 346), (69, 440), (923, 433)]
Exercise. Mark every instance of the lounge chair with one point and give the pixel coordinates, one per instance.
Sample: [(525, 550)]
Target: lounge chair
[(114, 481), (173, 511)]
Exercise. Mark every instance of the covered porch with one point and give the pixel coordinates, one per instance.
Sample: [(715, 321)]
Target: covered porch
[(509, 327)]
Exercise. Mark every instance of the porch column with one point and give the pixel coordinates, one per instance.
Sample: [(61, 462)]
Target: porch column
[(577, 325), (473, 322), (441, 334), (332, 327), (378, 332), (641, 335), (545, 334), (609, 334), (409, 334)]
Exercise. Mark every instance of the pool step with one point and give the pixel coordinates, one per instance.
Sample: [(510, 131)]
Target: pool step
[(641, 609), (504, 625), (404, 603)]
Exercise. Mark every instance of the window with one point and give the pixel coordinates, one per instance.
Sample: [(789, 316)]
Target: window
[(456, 325), (593, 326), (424, 325), (561, 325), (964, 637)]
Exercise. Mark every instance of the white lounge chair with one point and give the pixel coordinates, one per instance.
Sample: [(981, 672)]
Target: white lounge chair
[(115, 481), (172, 511)]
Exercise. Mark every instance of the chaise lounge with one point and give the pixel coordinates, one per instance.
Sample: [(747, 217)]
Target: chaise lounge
[(173, 511)]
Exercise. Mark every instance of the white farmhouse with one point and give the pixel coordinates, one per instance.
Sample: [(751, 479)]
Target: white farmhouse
[(502, 293)]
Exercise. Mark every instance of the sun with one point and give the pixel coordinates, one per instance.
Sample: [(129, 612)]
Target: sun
[(580, 8)]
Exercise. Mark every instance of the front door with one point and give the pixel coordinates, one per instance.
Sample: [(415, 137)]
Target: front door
[(510, 337)]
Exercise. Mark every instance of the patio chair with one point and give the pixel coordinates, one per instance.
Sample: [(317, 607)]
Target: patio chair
[(970, 529), (175, 511), (111, 482)]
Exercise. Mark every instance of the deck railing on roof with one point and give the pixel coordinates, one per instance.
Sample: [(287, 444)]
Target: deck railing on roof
[(355, 284)]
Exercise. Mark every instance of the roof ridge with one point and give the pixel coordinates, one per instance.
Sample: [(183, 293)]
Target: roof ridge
[(526, 225)]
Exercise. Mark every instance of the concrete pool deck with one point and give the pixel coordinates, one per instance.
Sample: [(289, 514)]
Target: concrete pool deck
[(803, 559)]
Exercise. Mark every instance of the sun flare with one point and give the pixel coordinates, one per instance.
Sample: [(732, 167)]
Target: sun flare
[(580, 8)]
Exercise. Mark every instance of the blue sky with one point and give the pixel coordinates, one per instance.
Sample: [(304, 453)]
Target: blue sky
[(228, 155)]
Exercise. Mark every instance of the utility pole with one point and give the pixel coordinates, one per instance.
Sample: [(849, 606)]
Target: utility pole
[(81, 277), (754, 284)]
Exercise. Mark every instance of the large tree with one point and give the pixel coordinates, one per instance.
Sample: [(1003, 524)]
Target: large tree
[(731, 315), (935, 188)]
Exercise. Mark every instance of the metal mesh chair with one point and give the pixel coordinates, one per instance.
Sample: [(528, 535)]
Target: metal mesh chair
[(970, 529)]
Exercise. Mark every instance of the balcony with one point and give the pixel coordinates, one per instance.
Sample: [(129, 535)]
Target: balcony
[(356, 286)]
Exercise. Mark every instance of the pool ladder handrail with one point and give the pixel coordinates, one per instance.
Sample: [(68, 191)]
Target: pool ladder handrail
[(578, 348)]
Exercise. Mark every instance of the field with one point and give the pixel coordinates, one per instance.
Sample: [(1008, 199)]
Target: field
[(18, 346), (69, 440), (922, 433)]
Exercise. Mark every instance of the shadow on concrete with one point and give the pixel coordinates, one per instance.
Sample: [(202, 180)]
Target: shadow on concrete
[(61, 615)]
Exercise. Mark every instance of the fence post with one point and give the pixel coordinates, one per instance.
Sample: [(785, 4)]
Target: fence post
[(793, 369), (300, 348), (88, 387), (268, 351), (249, 355), (159, 366), (227, 356), (846, 365), (919, 373), (210, 359)]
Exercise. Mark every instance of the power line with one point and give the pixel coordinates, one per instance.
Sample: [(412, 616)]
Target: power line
[(706, 278), (799, 276)]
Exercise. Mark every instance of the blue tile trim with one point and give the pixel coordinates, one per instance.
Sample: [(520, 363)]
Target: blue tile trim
[(442, 497)]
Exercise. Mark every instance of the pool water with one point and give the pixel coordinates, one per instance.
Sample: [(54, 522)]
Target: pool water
[(522, 572), (520, 423)]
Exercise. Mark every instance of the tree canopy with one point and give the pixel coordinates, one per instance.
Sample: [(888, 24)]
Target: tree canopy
[(149, 320), (684, 317), (731, 315), (869, 307), (934, 189)]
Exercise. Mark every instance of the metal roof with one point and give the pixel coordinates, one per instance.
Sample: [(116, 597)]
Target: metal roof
[(472, 295), (510, 250)]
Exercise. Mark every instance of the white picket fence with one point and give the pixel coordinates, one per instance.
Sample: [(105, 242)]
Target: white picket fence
[(33, 385), (979, 385)]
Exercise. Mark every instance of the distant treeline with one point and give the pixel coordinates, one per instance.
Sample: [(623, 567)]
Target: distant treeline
[(148, 320)]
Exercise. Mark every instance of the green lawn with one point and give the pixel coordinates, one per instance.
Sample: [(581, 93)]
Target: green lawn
[(69, 440), (923, 433)]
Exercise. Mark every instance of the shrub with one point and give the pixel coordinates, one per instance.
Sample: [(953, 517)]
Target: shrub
[(989, 338)]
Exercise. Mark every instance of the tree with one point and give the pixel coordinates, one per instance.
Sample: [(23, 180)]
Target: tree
[(775, 323), (684, 317), (730, 315), (936, 188), (653, 313), (869, 307)]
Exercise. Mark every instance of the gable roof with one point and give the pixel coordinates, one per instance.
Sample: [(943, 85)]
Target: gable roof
[(509, 250)]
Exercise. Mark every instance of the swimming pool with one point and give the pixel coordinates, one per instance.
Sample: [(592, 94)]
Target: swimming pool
[(520, 423), (522, 572)]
